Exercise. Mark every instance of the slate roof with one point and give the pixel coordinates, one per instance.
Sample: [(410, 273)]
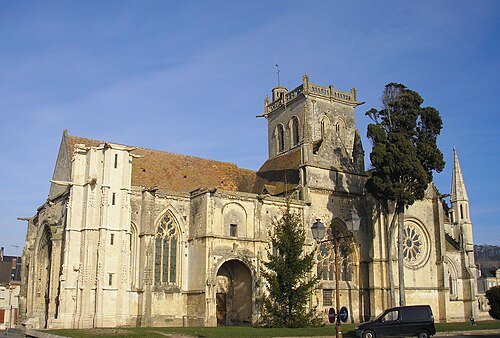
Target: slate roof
[(177, 172), (279, 174)]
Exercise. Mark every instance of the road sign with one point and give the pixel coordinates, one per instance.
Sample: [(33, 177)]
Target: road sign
[(331, 315), (343, 314)]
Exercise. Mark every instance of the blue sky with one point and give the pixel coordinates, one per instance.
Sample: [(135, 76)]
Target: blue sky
[(190, 77)]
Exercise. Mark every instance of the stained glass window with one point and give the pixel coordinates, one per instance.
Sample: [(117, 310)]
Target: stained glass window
[(166, 251)]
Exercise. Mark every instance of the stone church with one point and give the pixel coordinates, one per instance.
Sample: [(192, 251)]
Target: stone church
[(137, 237)]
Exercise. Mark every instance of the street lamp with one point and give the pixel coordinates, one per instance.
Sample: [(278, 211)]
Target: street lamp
[(318, 231)]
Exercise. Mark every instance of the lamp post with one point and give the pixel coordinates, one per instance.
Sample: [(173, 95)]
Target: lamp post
[(318, 232)]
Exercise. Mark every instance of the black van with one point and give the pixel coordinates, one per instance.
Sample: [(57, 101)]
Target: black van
[(416, 320)]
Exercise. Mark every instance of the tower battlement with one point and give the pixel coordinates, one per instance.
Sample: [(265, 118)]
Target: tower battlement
[(281, 96)]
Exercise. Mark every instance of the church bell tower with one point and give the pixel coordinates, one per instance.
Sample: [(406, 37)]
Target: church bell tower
[(318, 120)]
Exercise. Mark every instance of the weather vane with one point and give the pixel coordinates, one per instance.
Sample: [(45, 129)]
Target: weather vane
[(278, 72)]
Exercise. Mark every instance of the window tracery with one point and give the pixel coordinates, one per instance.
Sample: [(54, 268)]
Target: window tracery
[(166, 242), (415, 245), (326, 262)]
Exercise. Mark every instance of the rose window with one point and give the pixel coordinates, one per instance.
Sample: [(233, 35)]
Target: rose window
[(415, 245), (412, 244)]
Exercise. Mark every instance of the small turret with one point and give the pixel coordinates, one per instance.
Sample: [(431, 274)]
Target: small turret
[(279, 93)]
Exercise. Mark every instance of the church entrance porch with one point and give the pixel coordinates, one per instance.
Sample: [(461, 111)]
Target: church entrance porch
[(234, 294)]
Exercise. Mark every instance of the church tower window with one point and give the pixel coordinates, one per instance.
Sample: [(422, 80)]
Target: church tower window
[(295, 131), (324, 126), (280, 135), (166, 251)]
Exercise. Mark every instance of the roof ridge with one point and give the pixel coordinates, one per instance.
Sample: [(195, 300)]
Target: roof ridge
[(164, 152)]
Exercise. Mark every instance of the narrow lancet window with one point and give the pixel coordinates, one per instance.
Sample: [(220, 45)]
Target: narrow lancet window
[(281, 138), (295, 131)]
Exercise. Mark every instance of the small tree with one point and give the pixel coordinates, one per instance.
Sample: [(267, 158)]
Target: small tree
[(403, 156), (493, 295), (287, 276)]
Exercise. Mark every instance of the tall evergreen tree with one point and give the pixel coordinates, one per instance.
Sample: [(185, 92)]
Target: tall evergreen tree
[(287, 276), (493, 295), (403, 157)]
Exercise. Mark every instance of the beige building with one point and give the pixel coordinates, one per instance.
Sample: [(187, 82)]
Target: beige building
[(132, 236)]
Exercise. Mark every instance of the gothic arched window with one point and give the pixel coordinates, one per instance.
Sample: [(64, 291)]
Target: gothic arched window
[(295, 131), (280, 131), (133, 253), (452, 280), (324, 126), (166, 242), (326, 262)]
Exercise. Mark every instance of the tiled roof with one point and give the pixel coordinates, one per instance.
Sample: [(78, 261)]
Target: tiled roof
[(279, 173), (180, 172)]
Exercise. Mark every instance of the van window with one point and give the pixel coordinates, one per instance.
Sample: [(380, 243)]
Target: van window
[(390, 316), (418, 314)]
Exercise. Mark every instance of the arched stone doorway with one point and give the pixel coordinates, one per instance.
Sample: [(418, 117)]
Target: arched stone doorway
[(234, 294)]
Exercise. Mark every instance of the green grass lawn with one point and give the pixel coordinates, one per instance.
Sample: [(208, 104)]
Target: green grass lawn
[(245, 332)]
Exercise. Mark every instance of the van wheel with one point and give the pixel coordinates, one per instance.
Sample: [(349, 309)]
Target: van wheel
[(423, 334), (368, 334)]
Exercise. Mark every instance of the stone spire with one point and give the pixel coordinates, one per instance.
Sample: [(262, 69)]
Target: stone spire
[(460, 205), (458, 191)]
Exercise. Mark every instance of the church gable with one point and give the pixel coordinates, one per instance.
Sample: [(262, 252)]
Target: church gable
[(62, 169)]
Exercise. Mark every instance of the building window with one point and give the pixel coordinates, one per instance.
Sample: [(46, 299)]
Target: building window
[(280, 131), (166, 251), (461, 212), (233, 230), (112, 239), (452, 280), (295, 131), (116, 160), (133, 258), (113, 198), (327, 297), (412, 243), (110, 279), (326, 262)]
